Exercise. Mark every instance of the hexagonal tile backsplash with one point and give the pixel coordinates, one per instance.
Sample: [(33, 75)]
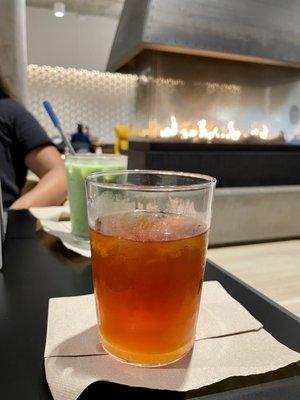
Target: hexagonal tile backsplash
[(99, 100)]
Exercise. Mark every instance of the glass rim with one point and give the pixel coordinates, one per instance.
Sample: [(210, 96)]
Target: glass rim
[(95, 155), (210, 181)]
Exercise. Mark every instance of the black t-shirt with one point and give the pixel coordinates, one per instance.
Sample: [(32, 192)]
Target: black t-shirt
[(19, 134)]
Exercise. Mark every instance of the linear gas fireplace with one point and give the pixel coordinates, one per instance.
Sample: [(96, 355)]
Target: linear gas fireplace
[(219, 88)]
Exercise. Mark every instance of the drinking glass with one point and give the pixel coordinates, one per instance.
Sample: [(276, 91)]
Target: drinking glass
[(78, 167), (149, 234)]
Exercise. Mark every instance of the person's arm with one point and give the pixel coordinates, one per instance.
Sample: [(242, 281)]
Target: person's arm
[(46, 163)]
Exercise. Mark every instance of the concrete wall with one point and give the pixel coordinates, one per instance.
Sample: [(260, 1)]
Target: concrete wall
[(242, 215), (13, 53), (72, 41)]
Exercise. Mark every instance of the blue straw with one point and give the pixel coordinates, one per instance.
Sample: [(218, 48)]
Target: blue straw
[(57, 124)]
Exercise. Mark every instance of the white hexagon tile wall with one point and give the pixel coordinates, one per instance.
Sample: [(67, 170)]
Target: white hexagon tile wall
[(99, 100)]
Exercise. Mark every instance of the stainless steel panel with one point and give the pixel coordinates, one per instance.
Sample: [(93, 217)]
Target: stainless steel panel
[(250, 30), (129, 36)]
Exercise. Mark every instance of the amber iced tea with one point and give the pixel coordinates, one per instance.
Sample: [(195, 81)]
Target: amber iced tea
[(148, 271), (148, 232)]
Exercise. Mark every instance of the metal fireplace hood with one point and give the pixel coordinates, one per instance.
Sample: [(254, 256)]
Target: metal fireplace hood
[(265, 31)]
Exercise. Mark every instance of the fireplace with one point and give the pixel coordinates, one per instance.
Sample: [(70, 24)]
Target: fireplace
[(216, 94)]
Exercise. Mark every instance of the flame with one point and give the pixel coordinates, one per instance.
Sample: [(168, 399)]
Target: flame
[(188, 134), (205, 133), (262, 134), (172, 130), (233, 133)]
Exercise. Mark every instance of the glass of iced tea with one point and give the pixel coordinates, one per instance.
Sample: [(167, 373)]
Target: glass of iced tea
[(149, 234)]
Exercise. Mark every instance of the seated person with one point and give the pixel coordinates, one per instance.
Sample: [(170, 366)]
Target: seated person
[(25, 145), (81, 141), (80, 136)]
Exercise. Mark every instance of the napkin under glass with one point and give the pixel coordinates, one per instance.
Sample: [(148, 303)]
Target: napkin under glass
[(229, 342)]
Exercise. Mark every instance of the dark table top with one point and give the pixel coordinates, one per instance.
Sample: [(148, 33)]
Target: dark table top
[(36, 268)]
